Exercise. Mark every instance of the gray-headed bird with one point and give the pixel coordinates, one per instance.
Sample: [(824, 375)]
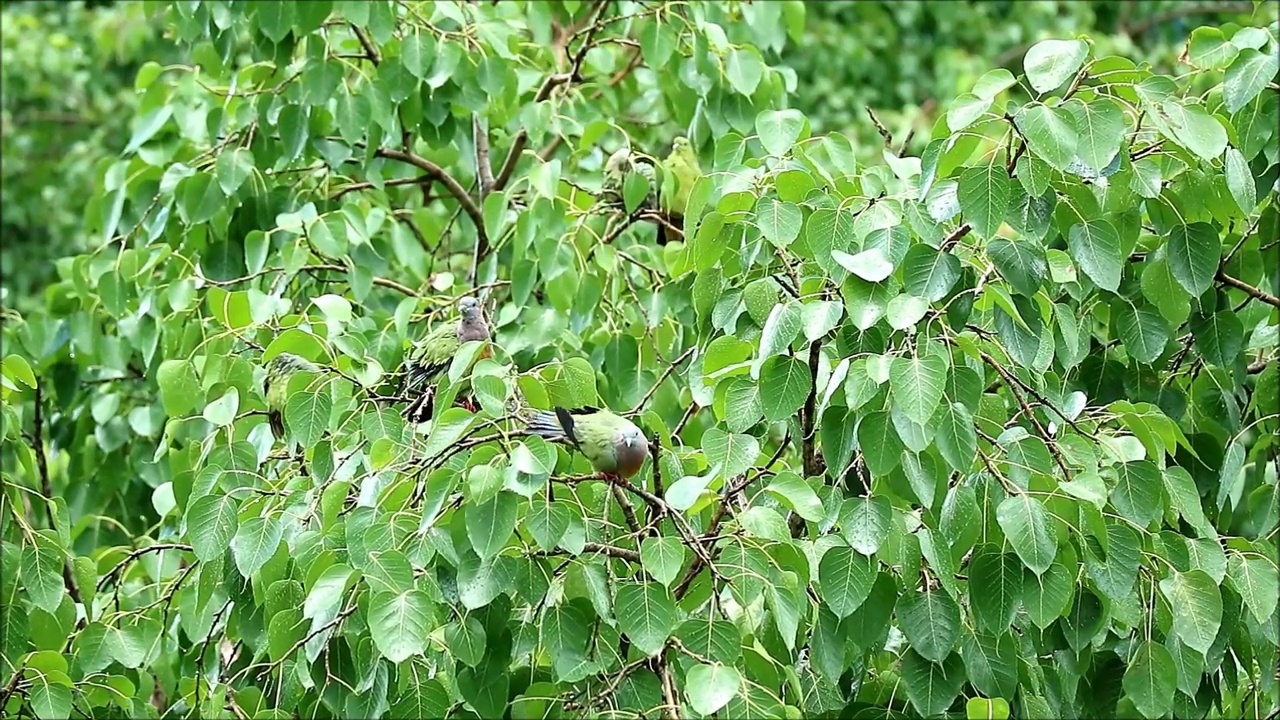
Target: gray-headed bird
[(432, 357), (613, 444)]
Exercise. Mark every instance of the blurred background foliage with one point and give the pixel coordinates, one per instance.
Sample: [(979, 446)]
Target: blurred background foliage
[(68, 98)]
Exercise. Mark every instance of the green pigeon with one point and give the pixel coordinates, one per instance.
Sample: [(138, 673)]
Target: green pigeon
[(280, 369), (434, 354), (613, 444), (679, 173), (621, 165)]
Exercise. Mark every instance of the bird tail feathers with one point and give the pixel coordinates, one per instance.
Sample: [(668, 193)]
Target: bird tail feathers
[(545, 424)]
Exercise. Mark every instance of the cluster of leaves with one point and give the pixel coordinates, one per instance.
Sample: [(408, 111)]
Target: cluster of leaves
[(67, 70), (991, 430)]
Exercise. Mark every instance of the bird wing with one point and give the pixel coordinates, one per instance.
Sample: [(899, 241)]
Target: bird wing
[(432, 356), (597, 433)]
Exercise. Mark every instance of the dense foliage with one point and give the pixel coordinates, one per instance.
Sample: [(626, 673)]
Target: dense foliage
[(989, 431), (66, 78)]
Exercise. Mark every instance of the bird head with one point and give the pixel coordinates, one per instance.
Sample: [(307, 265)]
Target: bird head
[(618, 161), (469, 308), (681, 144)]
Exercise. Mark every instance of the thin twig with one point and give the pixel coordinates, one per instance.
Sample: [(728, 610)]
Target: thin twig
[(46, 488)]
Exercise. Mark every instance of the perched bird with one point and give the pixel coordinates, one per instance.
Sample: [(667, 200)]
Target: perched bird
[(613, 444), (280, 369), (621, 165), (435, 353), (679, 173)]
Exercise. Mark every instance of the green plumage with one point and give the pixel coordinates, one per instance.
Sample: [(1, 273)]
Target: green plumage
[(280, 369), (679, 173), (611, 443)]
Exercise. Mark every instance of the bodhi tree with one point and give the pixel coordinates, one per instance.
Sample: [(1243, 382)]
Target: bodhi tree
[(991, 431)]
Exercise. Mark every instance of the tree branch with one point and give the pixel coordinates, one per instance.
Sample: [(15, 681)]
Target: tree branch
[(120, 566), (370, 49), (1248, 289), (484, 170), (544, 91), (455, 188)]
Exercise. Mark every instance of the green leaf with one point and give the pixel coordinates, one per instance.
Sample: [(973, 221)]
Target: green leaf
[(871, 265), (1137, 492), (1254, 578), (1101, 126), (417, 52), (744, 68), (1194, 251), (306, 415), (880, 444), (845, 578), (1247, 76), (931, 687), (1050, 134), (931, 622), (796, 494), (732, 452), (979, 708), (820, 317), (647, 614), (1026, 523), (995, 586), (780, 329), (1196, 605), (711, 687), (780, 129), (984, 195), (663, 558), (1151, 680), (222, 412), (1195, 129), (956, 437), (1219, 337), (965, 110), (1240, 181), (211, 523), (779, 222), (42, 562), (1022, 263), (202, 198), (865, 522), (1143, 330), (254, 543), (50, 695), (1095, 246), (1045, 596), (1050, 63), (917, 384), (400, 623), (179, 387), (1208, 48), (929, 273), (784, 384), (490, 524)]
